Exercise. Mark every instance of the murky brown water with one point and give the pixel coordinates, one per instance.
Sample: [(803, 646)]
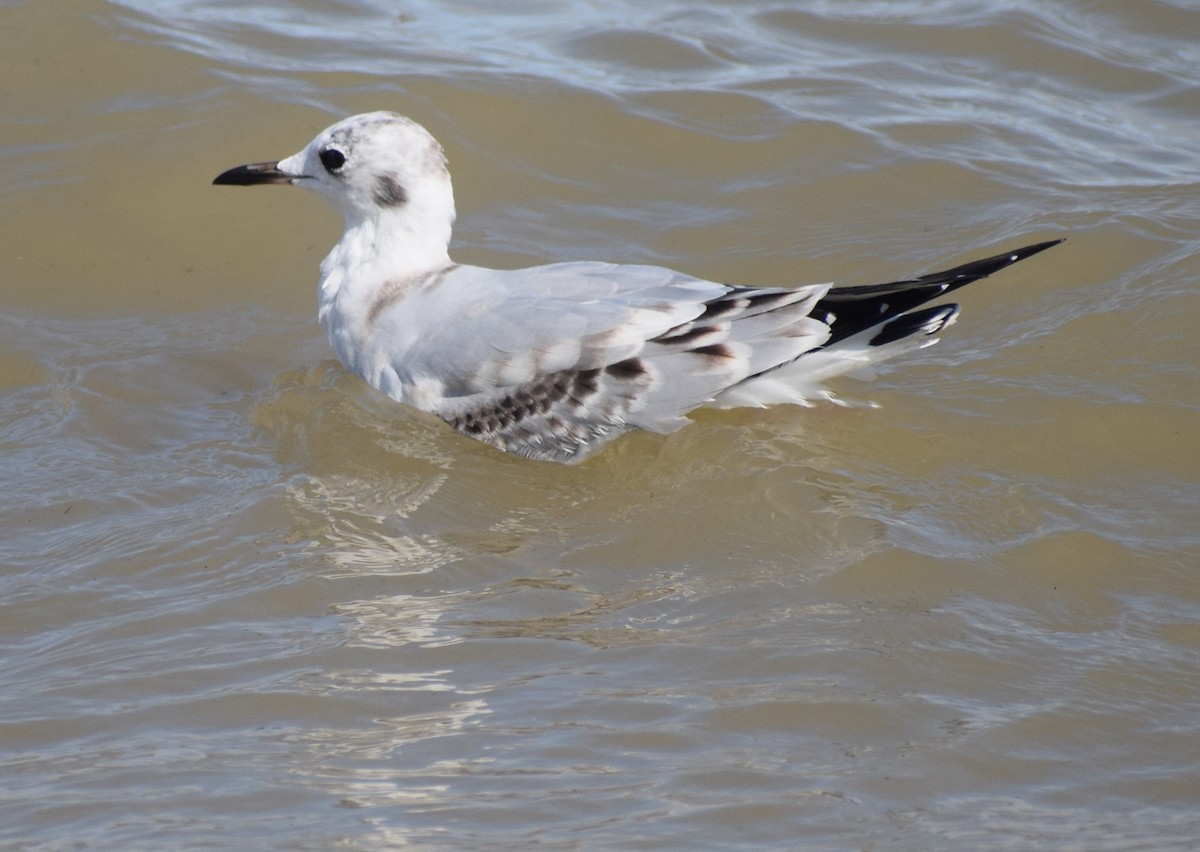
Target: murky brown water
[(247, 603)]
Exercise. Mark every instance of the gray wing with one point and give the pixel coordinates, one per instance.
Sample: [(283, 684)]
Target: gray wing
[(554, 361)]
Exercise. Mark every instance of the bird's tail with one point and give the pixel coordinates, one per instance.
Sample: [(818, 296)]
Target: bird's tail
[(867, 325)]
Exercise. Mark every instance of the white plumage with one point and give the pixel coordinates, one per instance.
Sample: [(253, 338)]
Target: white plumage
[(553, 361)]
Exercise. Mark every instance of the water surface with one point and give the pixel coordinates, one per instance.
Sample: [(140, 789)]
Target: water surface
[(248, 603)]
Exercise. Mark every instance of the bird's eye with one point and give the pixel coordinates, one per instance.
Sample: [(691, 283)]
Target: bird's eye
[(332, 159)]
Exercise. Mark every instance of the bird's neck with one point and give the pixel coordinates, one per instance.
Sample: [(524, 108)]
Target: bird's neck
[(375, 257), (377, 253)]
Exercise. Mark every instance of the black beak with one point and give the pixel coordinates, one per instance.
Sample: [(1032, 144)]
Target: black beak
[(253, 173)]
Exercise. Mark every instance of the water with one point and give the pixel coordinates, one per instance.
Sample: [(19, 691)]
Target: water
[(249, 604)]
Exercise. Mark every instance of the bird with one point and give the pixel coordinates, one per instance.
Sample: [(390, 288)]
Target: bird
[(552, 362)]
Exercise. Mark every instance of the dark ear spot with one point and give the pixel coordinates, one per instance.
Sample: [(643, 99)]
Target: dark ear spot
[(389, 192)]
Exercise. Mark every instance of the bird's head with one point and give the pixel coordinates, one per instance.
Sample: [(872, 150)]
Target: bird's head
[(371, 166)]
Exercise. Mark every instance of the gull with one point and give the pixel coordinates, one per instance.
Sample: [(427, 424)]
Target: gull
[(552, 362)]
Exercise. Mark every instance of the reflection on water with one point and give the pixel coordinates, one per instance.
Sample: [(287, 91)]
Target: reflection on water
[(248, 601), (361, 543)]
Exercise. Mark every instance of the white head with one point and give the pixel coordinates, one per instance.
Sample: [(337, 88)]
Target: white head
[(374, 167)]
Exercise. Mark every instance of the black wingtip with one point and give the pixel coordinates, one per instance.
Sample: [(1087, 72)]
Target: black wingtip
[(927, 321), (1030, 251), (977, 269), (863, 307), (1036, 247)]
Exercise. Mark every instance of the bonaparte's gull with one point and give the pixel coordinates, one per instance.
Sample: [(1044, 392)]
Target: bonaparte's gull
[(553, 361)]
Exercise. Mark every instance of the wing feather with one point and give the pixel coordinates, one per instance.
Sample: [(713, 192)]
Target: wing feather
[(554, 361)]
